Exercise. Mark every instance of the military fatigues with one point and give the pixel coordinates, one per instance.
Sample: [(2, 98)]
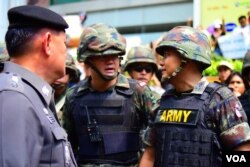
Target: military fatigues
[(142, 54), (120, 113), (30, 133), (192, 128)]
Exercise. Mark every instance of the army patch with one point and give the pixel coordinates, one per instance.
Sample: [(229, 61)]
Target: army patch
[(177, 116)]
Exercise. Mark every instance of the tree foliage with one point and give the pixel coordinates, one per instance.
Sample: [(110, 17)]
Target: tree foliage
[(212, 70)]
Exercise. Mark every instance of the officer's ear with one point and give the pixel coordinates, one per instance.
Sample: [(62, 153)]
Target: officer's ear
[(47, 43)]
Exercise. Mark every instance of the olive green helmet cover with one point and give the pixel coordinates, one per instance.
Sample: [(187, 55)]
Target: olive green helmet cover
[(71, 68), (100, 40), (191, 43), (140, 54)]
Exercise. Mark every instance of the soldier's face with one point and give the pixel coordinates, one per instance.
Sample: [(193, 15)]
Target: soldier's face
[(108, 65), (142, 72), (170, 61)]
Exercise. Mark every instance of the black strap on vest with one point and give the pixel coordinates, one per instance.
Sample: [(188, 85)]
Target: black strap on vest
[(1, 66)]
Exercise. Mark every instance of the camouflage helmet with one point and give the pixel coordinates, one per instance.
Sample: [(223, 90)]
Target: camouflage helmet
[(3, 53), (190, 42), (71, 68), (246, 64), (140, 54), (99, 40)]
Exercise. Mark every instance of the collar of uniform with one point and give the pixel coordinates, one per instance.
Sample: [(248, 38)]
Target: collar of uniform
[(84, 85), (200, 86), (37, 82), (122, 81)]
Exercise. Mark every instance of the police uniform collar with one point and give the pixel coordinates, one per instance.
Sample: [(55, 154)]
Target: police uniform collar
[(38, 83)]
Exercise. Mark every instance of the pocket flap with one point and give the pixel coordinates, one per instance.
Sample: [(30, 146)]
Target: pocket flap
[(59, 133)]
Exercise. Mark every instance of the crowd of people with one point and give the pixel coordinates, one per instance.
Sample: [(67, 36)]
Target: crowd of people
[(155, 110)]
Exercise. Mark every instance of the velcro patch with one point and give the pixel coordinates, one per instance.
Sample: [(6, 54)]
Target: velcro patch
[(177, 116)]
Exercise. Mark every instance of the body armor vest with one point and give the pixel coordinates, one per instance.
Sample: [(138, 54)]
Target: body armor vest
[(183, 137), (114, 117), (245, 102)]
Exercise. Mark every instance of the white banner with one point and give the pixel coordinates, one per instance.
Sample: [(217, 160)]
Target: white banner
[(233, 46)]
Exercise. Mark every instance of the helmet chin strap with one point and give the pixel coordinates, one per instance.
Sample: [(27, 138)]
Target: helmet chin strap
[(177, 70), (105, 78)]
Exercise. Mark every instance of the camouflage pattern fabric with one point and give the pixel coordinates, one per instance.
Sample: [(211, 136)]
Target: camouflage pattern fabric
[(100, 39), (3, 53), (228, 118), (140, 54), (71, 69), (191, 43)]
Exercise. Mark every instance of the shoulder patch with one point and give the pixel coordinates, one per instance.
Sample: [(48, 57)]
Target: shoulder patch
[(10, 81)]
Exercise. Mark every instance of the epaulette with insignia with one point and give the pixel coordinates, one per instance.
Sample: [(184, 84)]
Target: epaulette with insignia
[(10, 81)]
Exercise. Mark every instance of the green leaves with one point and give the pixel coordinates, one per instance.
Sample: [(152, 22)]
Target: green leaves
[(212, 70)]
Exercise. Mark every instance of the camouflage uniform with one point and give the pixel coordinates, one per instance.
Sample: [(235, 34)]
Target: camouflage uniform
[(84, 104), (217, 120), (141, 54), (71, 70), (3, 52)]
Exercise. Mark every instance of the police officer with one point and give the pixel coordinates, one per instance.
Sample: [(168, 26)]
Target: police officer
[(141, 65), (62, 84), (195, 120), (30, 133), (105, 112)]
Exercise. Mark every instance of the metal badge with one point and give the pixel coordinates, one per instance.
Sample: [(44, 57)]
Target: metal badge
[(67, 155), (45, 90), (14, 82), (45, 111)]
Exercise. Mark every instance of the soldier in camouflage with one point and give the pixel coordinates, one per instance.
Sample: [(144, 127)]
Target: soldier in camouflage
[(105, 112), (141, 65), (195, 120), (62, 84), (3, 53), (245, 98)]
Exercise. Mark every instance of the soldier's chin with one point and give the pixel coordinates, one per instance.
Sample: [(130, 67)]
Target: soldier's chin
[(111, 77)]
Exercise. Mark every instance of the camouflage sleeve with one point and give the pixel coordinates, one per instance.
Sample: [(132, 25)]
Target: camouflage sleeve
[(144, 101), (67, 119), (148, 136), (229, 118)]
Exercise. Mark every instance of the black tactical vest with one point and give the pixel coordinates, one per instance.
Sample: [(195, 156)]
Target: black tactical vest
[(183, 137), (118, 124), (245, 102)]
